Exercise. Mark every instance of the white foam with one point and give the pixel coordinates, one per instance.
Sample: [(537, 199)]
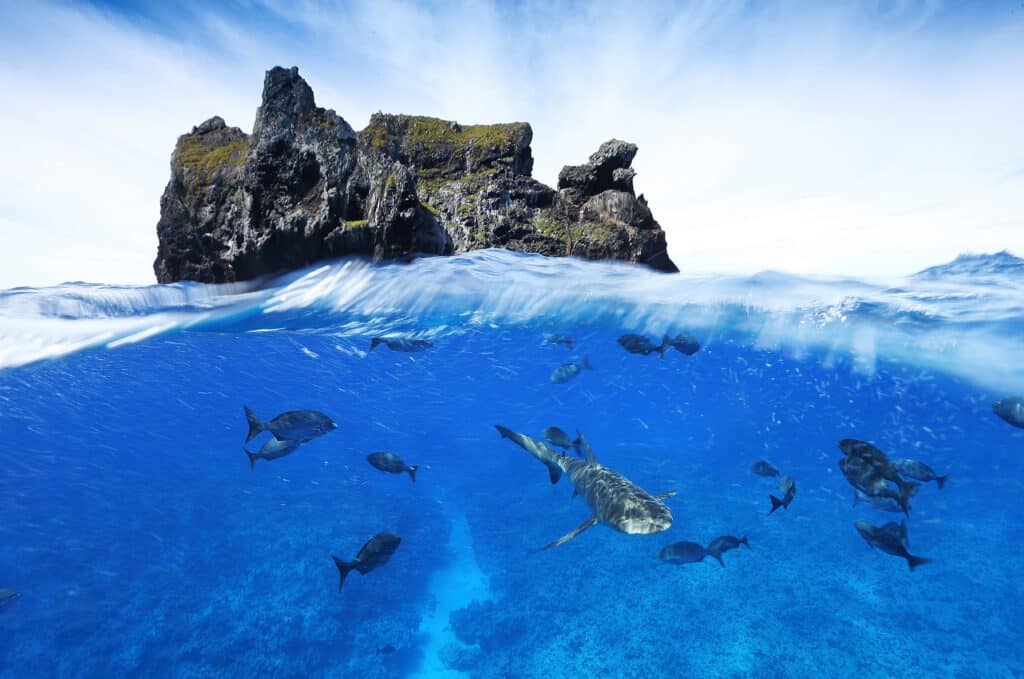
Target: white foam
[(964, 325)]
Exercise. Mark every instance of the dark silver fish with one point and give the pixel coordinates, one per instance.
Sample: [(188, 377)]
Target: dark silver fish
[(294, 425), (401, 344), (683, 552), (898, 531), (889, 540), (614, 499), (564, 340), (764, 468), (638, 344), (271, 450), (1011, 410), (872, 457), (886, 504), (391, 463), (374, 554), (684, 343), (869, 470), (787, 496), (7, 597), (723, 544), (919, 471), (557, 437), (568, 371)]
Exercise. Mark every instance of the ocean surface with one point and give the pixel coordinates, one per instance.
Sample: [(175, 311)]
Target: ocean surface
[(142, 543)]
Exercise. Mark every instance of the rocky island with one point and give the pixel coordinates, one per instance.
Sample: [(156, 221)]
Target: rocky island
[(304, 186)]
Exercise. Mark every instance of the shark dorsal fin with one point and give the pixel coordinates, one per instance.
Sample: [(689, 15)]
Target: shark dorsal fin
[(588, 452)]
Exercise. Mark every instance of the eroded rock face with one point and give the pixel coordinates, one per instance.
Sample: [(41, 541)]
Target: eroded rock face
[(305, 187)]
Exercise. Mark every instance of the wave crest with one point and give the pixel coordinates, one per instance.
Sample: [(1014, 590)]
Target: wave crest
[(970, 326)]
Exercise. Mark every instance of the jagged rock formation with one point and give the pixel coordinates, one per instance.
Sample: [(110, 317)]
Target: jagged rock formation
[(304, 187)]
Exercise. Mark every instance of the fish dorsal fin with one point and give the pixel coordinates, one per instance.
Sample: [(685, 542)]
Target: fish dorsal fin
[(588, 452)]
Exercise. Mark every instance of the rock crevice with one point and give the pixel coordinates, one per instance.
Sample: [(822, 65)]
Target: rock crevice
[(304, 186)]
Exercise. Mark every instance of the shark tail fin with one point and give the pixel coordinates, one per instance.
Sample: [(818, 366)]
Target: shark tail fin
[(776, 503), (255, 424), (941, 480), (577, 446), (915, 561), (344, 568), (412, 471), (535, 448), (252, 458)]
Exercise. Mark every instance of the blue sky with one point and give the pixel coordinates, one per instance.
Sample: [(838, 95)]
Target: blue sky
[(866, 139)]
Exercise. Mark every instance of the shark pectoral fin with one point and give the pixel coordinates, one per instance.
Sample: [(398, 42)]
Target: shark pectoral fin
[(665, 496), (569, 536)]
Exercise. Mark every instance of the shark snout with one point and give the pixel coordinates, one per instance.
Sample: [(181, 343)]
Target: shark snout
[(654, 521)]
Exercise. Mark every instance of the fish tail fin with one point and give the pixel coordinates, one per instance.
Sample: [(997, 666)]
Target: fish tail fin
[(666, 342), (776, 503), (577, 446), (915, 561), (255, 424), (251, 456), (375, 342), (585, 363), (344, 568), (743, 541), (718, 558), (412, 471), (536, 448), (941, 480)]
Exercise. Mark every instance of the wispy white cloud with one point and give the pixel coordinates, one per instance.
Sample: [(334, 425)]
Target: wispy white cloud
[(771, 136)]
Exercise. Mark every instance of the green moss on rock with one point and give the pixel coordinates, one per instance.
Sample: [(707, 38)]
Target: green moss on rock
[(206, 156)]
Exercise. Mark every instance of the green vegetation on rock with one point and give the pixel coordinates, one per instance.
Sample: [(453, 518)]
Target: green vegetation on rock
[(206, 157), (432, 141)]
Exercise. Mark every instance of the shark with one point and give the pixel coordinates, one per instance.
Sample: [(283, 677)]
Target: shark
[(615, 500)]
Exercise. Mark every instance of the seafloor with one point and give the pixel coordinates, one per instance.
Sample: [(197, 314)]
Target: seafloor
[(144, 545)]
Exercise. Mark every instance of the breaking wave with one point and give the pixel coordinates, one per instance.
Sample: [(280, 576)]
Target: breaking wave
[(965, 318)]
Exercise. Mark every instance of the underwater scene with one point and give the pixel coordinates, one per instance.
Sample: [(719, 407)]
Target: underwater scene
[(505, 465)]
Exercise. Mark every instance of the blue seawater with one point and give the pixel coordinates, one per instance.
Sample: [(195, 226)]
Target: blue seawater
[(142, 544)]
